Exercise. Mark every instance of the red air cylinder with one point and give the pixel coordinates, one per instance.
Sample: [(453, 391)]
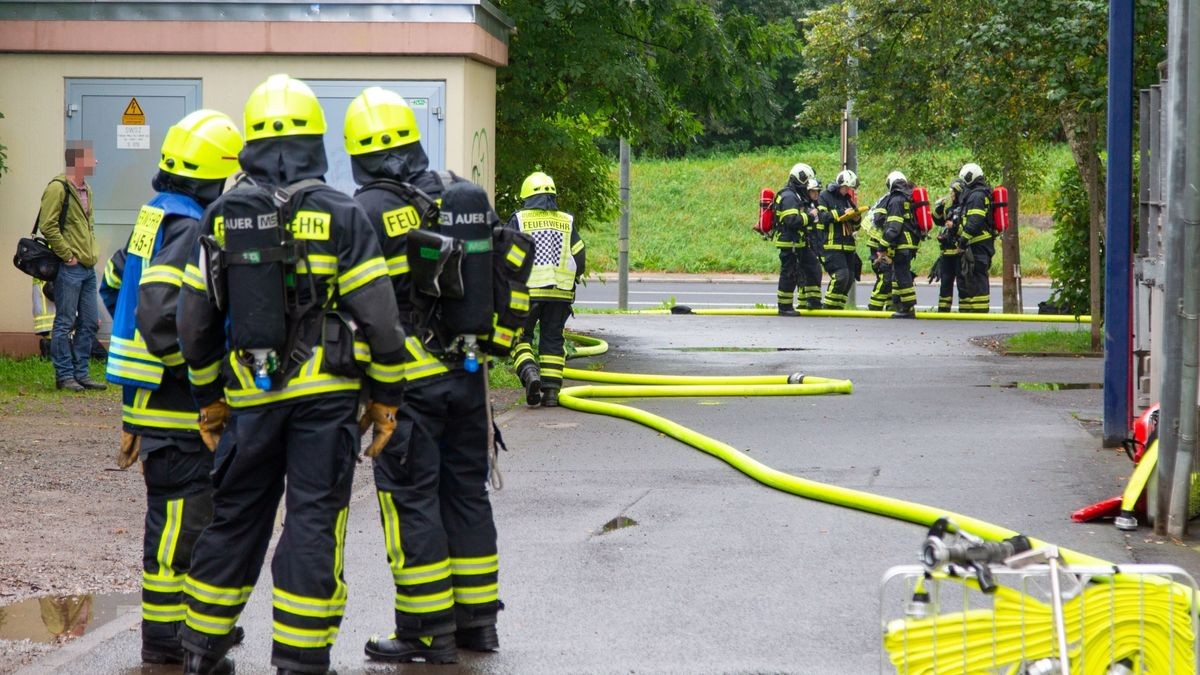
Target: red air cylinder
[(920, 201), (766, 216), (1000, 208)]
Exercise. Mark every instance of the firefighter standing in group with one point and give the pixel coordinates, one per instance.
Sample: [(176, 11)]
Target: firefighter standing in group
[(902, 236), (946, 214), (812, 255), (793, 219), (976, 241), (287, 293), (140, 289), (841, 218), (881, 259), (560, 259), (431, 478)]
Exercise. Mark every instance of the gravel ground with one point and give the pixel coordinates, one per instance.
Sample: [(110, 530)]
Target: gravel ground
[(70, 521)]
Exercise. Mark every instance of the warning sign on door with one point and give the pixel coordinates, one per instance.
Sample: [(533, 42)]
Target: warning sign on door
[(133, 113), (133, 137)]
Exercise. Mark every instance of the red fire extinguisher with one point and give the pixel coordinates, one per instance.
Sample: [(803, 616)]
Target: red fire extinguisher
[(766, 215), (924, 218), (1000, 208)]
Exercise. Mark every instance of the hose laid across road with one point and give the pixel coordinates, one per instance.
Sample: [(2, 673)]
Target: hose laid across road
[(869, 314), (1126, 637)]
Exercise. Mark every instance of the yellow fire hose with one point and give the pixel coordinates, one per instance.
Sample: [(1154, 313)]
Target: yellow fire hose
[(868, 314), (1118, 628)]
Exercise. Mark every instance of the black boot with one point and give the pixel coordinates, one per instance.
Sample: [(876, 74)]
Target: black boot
[(549, 397), (905, 314), (160, 642), (203, 664), (439, 649), (478, 638), (788, 310), (533, 386)]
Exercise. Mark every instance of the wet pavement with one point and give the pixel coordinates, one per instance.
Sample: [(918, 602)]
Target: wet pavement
[(625, 551)]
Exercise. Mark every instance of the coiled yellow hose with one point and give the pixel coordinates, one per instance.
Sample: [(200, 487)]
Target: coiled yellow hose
[(1144, 619)]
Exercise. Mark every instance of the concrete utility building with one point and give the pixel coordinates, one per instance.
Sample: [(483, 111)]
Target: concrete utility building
[(120, 73)]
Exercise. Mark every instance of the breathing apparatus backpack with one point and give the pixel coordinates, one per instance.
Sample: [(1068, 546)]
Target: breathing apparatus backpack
[(468, 274), (250, 263)]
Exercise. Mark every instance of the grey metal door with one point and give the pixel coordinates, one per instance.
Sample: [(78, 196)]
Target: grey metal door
[(106, 112), (427, 99)]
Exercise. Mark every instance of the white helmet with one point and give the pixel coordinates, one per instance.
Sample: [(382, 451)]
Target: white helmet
[(893, 177), (970, 173), (847, 178), (801, 172), (814, 184)]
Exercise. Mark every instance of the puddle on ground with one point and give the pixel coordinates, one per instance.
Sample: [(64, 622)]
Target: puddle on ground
[(1047, 386), (55, 618), (737, 349), (617, 523)]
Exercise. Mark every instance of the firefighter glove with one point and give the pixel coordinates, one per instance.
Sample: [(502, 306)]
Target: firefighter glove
[(213, 418), (131, 446), (935, 273), (381, 418)]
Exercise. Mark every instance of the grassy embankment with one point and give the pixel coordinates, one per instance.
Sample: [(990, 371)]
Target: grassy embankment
[(1050, 342), (694, 214)]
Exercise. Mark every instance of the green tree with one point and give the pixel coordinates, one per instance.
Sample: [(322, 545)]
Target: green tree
[(658, 72)]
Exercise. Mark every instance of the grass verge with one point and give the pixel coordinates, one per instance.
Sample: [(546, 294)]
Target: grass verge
[(694, 214), (1051, 341)]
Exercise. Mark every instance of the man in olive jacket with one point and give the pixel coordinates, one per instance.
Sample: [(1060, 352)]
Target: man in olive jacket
[(75, 286)]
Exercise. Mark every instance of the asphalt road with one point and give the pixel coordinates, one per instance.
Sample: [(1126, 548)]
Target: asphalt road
[(721, 574), (701, 292)]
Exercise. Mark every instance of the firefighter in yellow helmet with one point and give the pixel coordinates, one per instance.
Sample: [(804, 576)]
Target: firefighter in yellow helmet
[(292, 305), (560, 259), (140, 289), (431, 477)]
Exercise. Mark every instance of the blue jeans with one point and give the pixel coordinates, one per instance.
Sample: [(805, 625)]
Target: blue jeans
[(75, 310)]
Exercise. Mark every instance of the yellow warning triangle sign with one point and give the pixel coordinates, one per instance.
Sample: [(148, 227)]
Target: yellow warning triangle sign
[(133, 113)]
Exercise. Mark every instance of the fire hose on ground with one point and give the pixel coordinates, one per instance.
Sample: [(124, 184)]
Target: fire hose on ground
[(869, 314), (1124, 638)]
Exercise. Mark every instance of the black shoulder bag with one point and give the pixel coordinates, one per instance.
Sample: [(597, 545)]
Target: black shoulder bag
[(34, 256)]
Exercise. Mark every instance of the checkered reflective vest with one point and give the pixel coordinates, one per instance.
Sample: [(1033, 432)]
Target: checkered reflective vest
[(553, 264)]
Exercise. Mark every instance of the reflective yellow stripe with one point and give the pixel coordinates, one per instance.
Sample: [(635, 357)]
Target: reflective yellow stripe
[(311, 607), (110, 276), (388, 373), (421, 363), (391, 532), (787, 212), (519, 301), (423, 574), (339, 552), (161, 584), (475, 595), (151, 375), (162, 274), (577, 247), (480, 565), (515, 256), (318, 263), (358, 276), (425, 604), (193, 278), (209, 624), (170, 538), (159, 418), (163, 613), (205, 375), (977, 212), (895, 219), (215, 595), (173, 359), (503, 337), (319, 384), (397, 265), (550, 292), (304, 638)]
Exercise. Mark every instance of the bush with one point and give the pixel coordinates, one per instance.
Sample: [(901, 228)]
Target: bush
[(1068, 268)]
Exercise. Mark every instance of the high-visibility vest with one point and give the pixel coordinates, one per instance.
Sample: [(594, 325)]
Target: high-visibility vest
[(553, 262)]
